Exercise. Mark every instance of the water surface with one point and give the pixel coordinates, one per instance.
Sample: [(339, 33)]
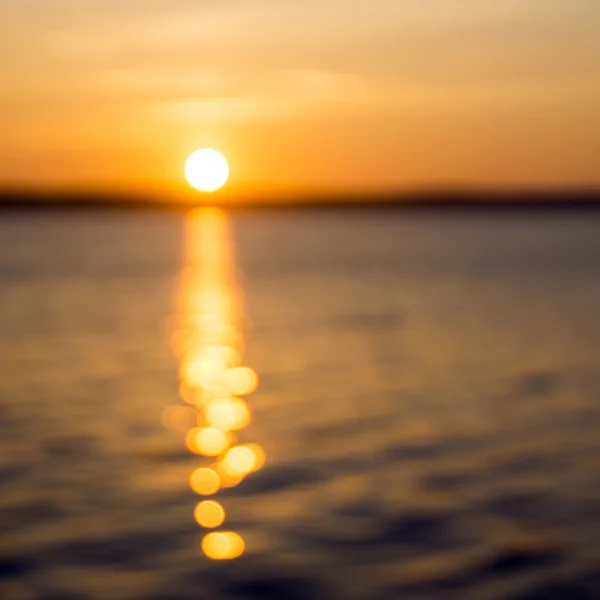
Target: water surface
[(429, 404)]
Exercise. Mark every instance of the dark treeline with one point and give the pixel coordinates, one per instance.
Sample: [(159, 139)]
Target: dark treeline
[(22, 200)]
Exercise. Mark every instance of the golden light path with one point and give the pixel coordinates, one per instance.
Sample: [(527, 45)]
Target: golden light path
[(208, 343)]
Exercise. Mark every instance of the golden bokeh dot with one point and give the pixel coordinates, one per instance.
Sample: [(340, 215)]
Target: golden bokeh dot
[(214, 392), (200, 371), (259, 456), (228, 480), (242, 414), (225, 545), (220, 413), (228, 414), (207, 441), (239, 461), (209, 514), (205, 481), (241, 381)]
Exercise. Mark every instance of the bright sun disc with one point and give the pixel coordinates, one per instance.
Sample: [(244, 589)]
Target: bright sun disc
[(206, 170)]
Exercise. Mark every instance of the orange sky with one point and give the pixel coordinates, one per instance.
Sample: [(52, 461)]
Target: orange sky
[(317, 93)]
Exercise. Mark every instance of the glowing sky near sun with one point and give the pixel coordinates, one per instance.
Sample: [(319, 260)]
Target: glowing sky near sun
[(301, 93)]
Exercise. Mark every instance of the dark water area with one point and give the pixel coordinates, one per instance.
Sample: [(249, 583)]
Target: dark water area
[(429, 405)]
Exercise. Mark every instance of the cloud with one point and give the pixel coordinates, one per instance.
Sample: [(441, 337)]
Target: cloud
[(438, 40)]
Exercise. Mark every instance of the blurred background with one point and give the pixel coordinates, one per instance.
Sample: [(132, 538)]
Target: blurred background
[(368, 367)]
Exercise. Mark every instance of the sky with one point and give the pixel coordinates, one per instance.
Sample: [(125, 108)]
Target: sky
[(328, 94)]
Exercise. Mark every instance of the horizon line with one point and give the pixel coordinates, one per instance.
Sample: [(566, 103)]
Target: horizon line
[(433, 196)]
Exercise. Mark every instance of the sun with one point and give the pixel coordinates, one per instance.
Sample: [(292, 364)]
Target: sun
[(206, 170)]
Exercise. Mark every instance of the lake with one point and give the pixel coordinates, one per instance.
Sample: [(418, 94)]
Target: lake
[(428, 404)]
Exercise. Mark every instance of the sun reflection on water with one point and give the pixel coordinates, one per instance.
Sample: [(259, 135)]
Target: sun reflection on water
[(208, 343), (223, 545)]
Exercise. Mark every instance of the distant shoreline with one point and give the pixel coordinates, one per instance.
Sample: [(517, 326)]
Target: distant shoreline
[(471, 200)]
